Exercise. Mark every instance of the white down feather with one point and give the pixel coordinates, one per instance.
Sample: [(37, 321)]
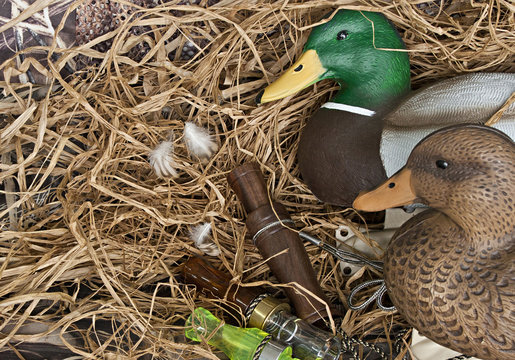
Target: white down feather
[(199, 141), (161, 160), (200, 234)]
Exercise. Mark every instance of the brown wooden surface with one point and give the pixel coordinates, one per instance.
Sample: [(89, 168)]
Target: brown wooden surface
[(293, 266), (211, 281), (249, 185)]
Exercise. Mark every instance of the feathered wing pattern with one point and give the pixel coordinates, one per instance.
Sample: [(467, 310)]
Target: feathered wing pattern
[(471, 98), (200, 234), (443, 297), (199, 141)]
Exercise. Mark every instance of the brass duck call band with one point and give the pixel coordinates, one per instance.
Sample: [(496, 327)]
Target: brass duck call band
[(252, 306), (264, 309)]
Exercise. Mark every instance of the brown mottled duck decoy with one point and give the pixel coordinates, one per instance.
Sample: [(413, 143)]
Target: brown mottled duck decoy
[(450, 270)]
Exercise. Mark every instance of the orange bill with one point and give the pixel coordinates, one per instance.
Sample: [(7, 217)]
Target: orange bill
[(396, 191), (306, 71)]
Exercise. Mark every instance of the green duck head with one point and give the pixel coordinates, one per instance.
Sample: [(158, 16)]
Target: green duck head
[(361, 50)]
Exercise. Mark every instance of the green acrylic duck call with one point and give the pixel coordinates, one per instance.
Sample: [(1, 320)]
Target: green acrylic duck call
[(237, 343)]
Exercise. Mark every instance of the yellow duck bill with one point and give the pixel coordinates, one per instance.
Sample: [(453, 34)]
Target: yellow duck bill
[(306, 71), (396, 191)]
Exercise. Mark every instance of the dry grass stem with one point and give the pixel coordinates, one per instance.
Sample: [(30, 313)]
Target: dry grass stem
[(107, 241)]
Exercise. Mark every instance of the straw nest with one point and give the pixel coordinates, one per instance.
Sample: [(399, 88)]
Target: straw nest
[(108, 242)]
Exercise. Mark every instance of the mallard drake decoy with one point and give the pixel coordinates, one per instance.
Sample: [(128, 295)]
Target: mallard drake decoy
[(359, 138), (450, 270)]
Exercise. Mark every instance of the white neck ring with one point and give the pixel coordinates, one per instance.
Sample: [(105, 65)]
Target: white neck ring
[(348, 108)]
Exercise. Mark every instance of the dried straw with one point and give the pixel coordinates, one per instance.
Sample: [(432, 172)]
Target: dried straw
[(114, 231)]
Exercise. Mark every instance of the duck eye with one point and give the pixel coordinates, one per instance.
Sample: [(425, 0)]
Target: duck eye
[(442, 164), (342, 35)]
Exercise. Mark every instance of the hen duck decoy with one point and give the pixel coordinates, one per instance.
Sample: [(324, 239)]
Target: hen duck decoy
[(363, 135), (450, 270)]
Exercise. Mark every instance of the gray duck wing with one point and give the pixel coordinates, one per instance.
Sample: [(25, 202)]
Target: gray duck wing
[(471, 98)]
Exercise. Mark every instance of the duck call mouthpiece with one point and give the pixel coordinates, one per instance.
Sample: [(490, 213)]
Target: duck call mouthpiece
[(266, 224), (237, 343)]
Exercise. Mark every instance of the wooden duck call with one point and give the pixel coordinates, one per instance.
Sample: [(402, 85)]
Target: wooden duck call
[(208, 279), (272, 238)]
